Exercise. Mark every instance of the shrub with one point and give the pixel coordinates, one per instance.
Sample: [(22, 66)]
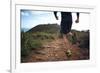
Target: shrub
[(29, 43), (35, 44)]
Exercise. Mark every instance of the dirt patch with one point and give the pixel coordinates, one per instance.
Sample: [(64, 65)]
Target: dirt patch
[(56, 51)]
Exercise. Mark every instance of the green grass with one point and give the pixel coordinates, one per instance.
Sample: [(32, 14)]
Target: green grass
[(34, 41)]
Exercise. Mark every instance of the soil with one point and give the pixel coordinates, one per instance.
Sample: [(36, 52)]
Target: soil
[(56, 51)]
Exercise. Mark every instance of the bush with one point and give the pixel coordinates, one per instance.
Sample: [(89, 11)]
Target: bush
[(82, 37), (43, 35), (35, 44), (33, 41), (28, 43), (25, 44)]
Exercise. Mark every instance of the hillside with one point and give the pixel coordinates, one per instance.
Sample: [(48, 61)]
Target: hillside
[(48, 28), (44, 43)]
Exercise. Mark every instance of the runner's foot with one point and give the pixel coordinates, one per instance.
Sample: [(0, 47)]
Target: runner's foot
[(69, 53), (70, 33)]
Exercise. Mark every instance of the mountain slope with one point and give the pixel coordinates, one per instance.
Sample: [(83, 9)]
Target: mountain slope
[(42, 43), (50, 28)]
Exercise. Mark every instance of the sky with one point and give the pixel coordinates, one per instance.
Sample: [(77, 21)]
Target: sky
[(31, 18)]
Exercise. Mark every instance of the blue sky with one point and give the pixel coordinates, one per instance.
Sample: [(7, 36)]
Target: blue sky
[(31, 18)]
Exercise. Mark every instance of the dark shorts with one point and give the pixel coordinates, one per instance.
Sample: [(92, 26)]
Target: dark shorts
[(66, 27)]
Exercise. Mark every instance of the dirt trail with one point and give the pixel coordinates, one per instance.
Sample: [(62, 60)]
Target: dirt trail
[(56, 51)]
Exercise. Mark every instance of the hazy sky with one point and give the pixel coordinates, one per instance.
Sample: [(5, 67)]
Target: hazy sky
[(30, 19)]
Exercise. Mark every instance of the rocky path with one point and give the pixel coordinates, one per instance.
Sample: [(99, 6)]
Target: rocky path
[(56, 51)]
